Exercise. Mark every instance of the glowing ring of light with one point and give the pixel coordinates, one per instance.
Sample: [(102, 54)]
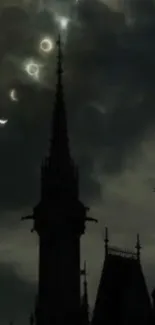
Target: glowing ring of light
[(46, 45), (32, 69)]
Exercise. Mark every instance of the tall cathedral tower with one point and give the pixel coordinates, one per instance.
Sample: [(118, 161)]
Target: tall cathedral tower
[(59, 220)]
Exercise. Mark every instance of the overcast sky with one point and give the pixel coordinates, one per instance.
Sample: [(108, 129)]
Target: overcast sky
[(110, 94)]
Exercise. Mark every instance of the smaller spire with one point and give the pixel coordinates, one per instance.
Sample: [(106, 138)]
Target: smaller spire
[(153, 299), (85, 305), (85, 274), (138, 247), (106, 241)]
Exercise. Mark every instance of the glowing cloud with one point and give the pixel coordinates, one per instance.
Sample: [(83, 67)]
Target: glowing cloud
[(63, 22), (3, 121)]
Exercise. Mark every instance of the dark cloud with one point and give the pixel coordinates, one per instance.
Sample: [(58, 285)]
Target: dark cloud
[(109, 90), (116, 69), (26, 135), (105, 62), (16, 298)]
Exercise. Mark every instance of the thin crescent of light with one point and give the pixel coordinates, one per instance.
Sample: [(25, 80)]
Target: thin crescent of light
[(3, 121), (13, 95)]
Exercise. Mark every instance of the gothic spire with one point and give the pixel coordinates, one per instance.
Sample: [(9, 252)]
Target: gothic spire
[(138, 247), (85, 284), (59, 141), (85, 305), (58, 169), (106, 241)]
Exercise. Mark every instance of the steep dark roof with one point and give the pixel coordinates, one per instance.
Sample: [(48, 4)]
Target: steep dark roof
[(122, 296)]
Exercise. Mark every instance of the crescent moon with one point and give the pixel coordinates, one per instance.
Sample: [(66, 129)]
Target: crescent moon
[(3, 121), (13, 95)]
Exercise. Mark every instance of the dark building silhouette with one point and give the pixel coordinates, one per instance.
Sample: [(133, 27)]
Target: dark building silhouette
[(59, 219), (153, 305), (122, 296)]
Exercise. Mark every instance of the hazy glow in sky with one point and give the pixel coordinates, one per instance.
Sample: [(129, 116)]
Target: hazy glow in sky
[(63, 22), (3, 121)]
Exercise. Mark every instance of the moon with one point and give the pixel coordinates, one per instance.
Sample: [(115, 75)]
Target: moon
[(32, 68), (3, 121), (13, 95), (46, 45)]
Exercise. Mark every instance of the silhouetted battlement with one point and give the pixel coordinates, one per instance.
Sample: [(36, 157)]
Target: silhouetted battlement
[(122, 296), (124, 253), (113, 250)]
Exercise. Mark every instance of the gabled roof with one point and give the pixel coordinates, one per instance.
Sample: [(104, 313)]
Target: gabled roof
[(122, 294)]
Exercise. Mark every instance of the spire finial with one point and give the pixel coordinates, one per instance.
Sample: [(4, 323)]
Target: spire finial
[(85, 273), (59, 88), (59, 136), (138, 247), (85, 305), (106, 241), (59, 56)]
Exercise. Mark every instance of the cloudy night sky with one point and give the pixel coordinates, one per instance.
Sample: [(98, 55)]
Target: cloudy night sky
[(109, 81)]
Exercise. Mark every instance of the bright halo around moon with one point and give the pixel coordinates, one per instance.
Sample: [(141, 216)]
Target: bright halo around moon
[(46, 45), (13, 95), (3, 121), (32, 68)]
